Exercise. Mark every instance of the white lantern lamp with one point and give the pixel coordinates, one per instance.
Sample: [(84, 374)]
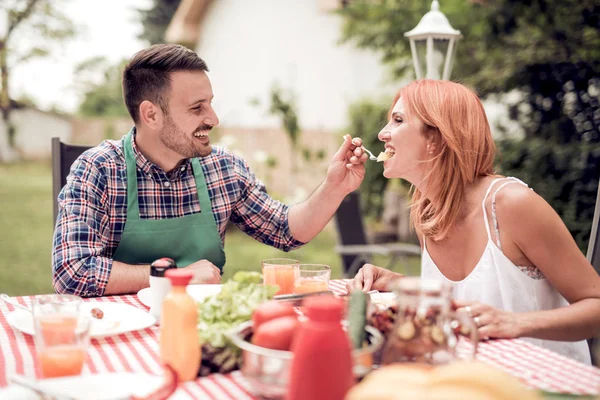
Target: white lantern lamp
[(434, 34)]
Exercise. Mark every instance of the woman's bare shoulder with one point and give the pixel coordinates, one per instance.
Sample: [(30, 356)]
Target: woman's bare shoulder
[(517, 205)]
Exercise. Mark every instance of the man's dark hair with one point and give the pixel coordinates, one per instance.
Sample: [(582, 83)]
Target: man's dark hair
[(147, 76)]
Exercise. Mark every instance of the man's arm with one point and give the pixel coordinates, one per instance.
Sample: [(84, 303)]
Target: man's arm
[(307, 219), (126, 278), (79, 255), (286, 228)]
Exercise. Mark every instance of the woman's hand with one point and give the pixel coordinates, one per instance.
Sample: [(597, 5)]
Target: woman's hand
[(491, 322), (370, 277)]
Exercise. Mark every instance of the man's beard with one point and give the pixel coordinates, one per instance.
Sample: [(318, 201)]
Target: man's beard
[(177, 141)]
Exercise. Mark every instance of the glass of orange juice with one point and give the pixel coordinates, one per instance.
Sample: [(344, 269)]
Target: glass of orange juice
[(61, 334), (310, 278), (280, 272)]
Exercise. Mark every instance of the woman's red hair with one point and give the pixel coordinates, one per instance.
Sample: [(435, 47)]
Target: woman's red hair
[(465, 150)]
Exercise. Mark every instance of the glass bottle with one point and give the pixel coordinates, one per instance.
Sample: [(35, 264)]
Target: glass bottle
[(179, 343), (426, 329)]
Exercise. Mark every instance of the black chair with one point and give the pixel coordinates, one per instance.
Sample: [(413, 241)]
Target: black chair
[(354, 247), (593, 251), (593, 256), (63, 156)]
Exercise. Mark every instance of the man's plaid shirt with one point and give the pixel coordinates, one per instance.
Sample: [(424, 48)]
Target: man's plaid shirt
[(93, 209)]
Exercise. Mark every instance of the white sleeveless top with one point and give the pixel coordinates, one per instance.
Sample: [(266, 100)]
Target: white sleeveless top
[(499, 283)]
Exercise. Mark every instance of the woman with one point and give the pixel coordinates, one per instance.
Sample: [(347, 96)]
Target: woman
[(513, 265)]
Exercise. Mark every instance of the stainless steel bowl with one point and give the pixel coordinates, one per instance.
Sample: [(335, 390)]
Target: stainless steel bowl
[(268, 370)]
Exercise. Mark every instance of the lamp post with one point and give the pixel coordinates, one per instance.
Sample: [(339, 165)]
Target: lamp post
[(3, 24), (430, 39)]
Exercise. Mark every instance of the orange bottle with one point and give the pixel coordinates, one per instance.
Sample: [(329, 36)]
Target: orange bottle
[(179, 344)]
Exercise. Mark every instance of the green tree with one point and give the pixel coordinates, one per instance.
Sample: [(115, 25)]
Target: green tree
[(156, 19), (283, 106), (100, 83), (548, 50), (39, 19)]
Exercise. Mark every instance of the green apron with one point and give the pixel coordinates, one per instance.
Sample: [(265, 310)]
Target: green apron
[(185, 239)]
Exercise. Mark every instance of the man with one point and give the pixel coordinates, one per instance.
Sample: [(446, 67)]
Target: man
[(164, 191)]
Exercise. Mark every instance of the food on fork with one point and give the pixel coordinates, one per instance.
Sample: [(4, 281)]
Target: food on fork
[(386, 155), (383, 157)]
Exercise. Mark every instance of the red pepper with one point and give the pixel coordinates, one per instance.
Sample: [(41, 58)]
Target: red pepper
[(166, 390)]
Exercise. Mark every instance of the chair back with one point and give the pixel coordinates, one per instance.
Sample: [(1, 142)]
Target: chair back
[(593, 251), (593, 256), (63, 156), (350, 226)]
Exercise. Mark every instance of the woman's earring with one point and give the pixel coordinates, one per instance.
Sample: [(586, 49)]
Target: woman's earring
[(428, 148)]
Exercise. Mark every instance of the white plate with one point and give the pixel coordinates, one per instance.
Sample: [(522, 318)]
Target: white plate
[(384, 299), (92, 387), (118, 318), (198, 292)]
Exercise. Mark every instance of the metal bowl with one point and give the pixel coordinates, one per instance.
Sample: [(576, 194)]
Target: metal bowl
[(268, 370)]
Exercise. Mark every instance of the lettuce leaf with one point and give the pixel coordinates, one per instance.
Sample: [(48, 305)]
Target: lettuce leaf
[(233, 305)]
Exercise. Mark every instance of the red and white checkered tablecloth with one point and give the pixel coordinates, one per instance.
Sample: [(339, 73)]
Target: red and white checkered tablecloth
[(139, 352)]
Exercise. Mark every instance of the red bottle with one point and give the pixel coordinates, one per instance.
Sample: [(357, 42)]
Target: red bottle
[(322, 364)]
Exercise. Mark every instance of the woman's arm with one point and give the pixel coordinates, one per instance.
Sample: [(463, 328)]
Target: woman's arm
[(371, 277), (534, 227)]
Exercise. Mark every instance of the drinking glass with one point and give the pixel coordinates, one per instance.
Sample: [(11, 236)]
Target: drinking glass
[(310, 278), (280, 272), (61, 334)]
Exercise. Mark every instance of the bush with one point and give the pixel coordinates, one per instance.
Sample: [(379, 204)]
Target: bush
[(565, 175)]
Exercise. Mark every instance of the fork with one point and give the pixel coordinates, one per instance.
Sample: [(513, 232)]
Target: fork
[(33, 384), (6, 298), (371, 156)]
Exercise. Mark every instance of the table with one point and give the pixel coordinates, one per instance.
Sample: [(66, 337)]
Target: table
[(138, 352)]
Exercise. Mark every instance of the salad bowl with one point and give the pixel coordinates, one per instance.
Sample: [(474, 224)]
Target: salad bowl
[(268, 370)]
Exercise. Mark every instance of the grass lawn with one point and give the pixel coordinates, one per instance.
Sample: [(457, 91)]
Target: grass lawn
[(26, 236)]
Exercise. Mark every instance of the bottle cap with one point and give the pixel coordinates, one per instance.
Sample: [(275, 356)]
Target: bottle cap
[(323, 308), (179, 277), (160, 266)]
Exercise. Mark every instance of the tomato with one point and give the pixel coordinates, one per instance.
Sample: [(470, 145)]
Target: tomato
[(276, 334), (271, 310)]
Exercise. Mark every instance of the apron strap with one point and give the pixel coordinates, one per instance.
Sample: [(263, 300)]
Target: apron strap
[(133, 209), (201, 188)]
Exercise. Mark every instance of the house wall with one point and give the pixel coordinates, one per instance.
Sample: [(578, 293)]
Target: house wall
[(34, 132), (284, 180), (251, 45), (255, 145), (91, 131)]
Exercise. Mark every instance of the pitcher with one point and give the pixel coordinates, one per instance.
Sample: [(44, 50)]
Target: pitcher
[(426, 329)]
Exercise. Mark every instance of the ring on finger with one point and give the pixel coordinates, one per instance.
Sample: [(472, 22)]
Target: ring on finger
[(477, 321), (468, 311)]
